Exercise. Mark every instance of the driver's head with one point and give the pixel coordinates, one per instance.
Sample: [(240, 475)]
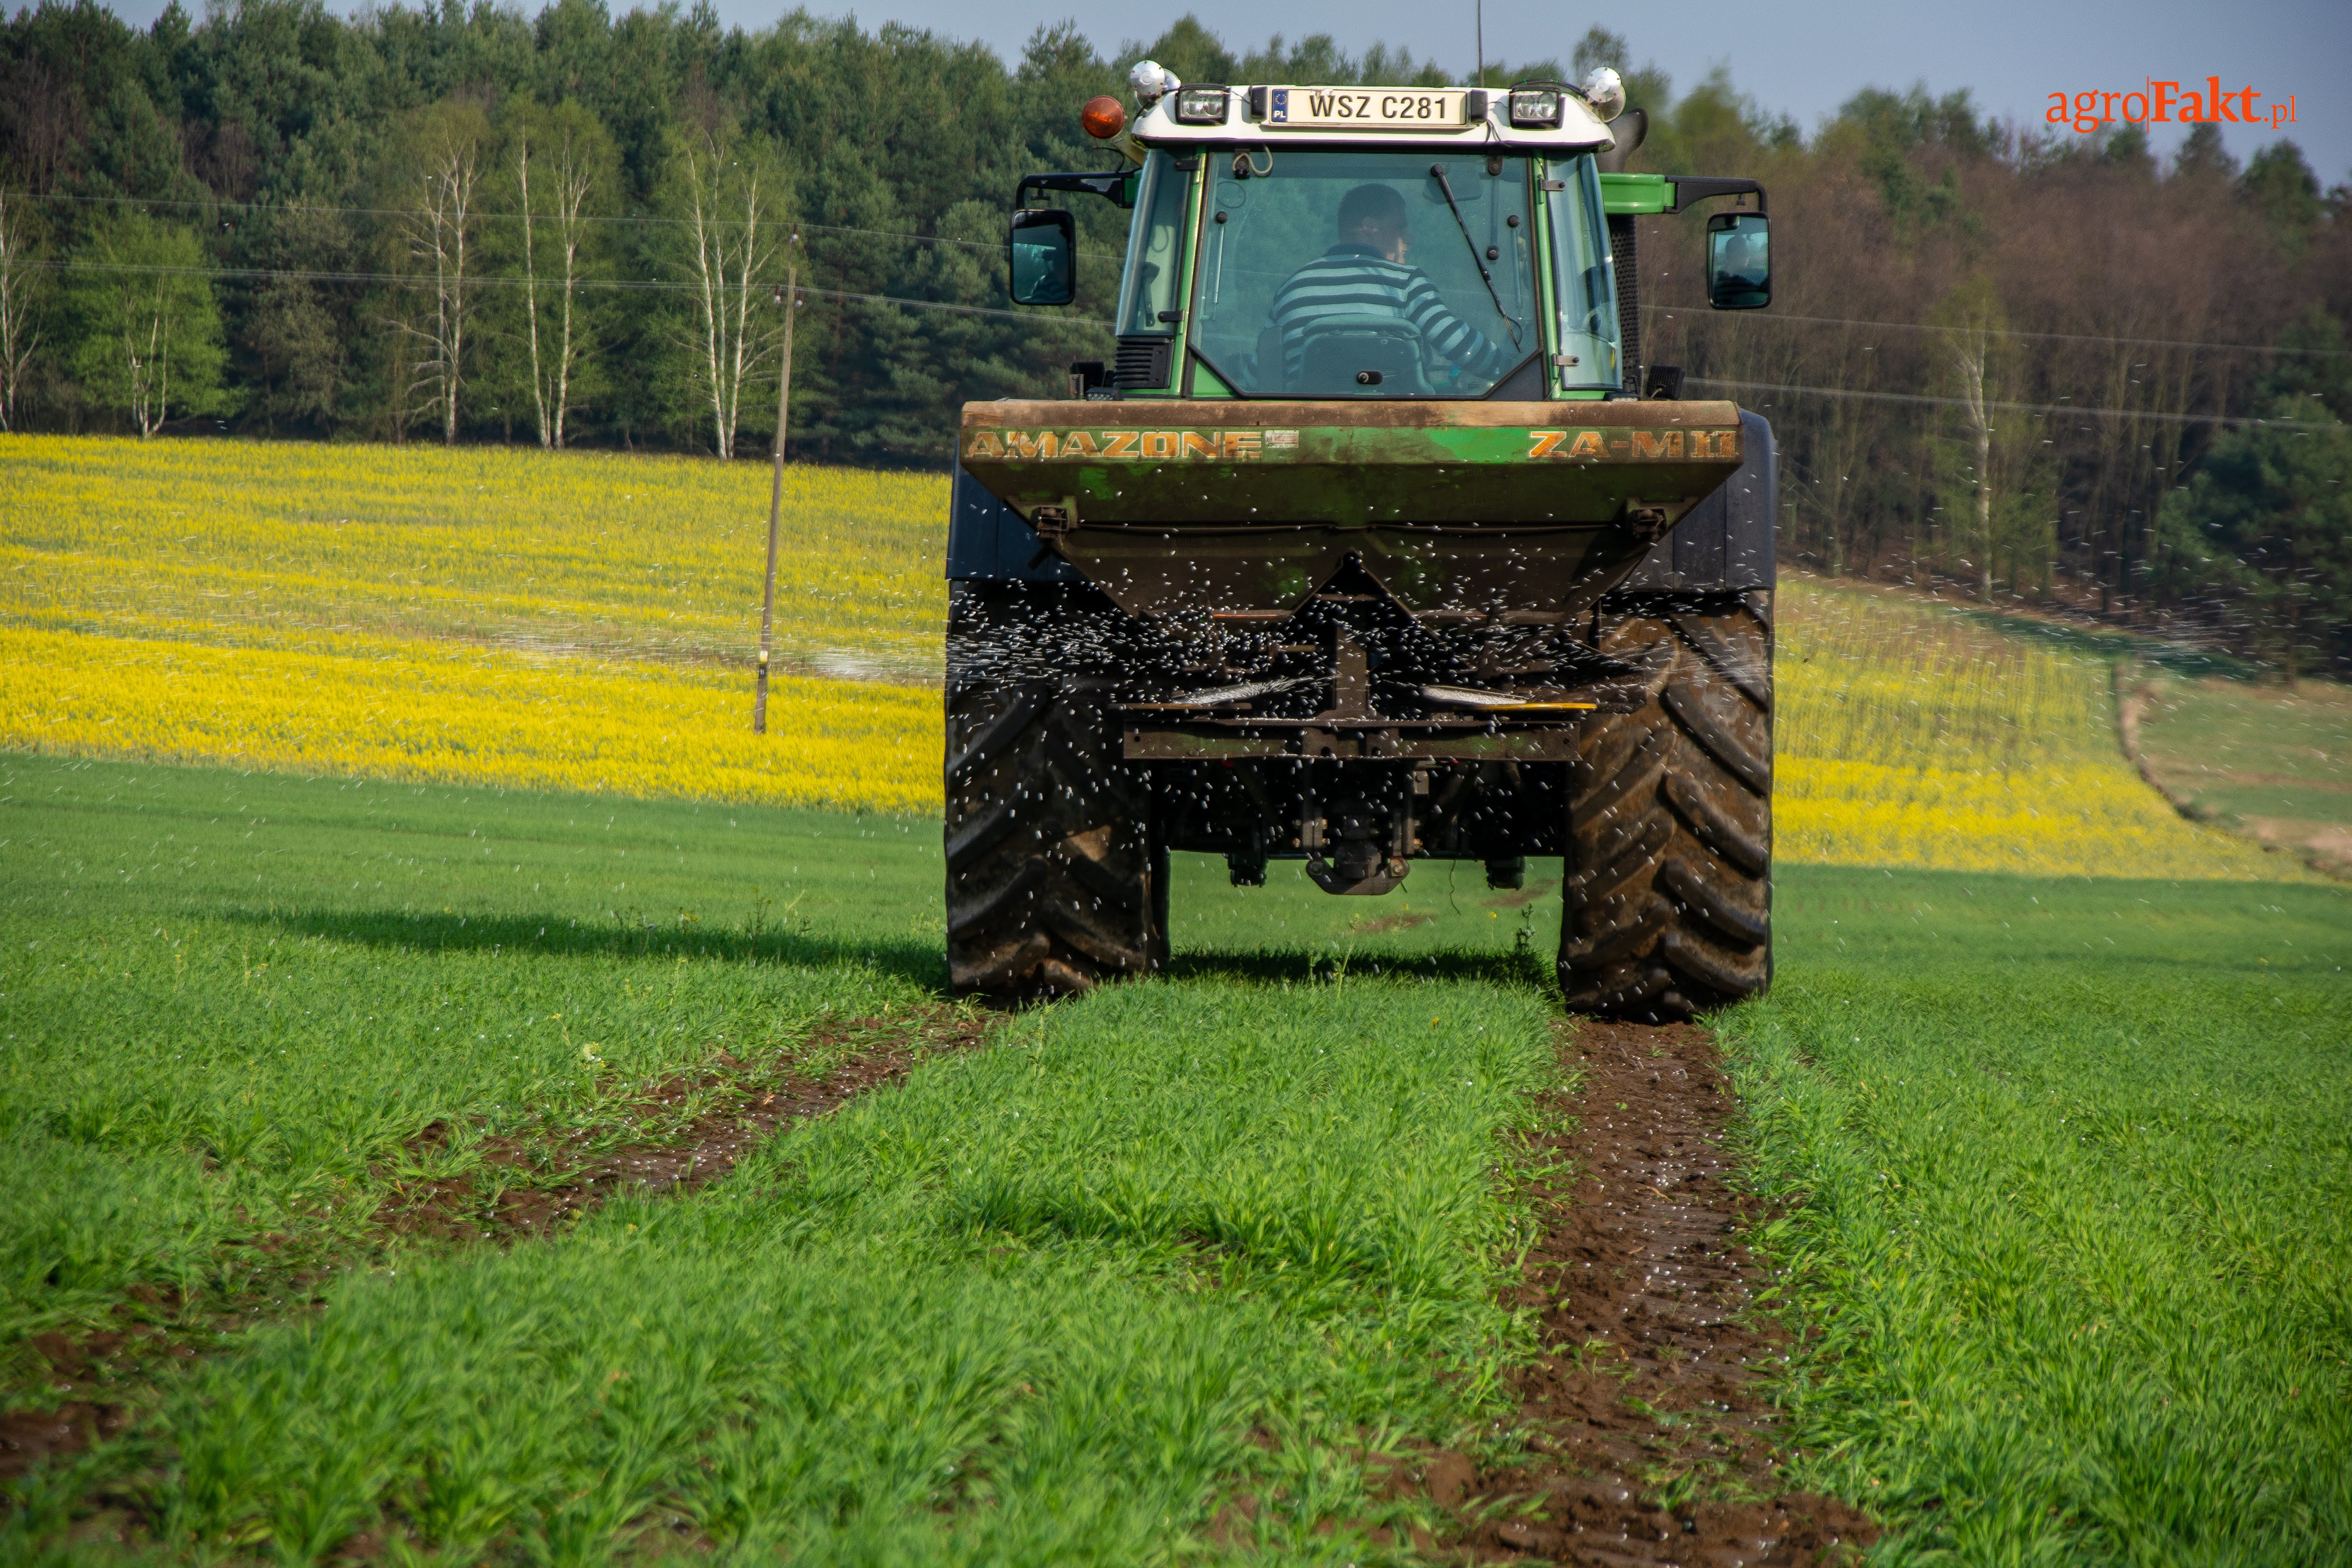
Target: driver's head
[(1374, 216)]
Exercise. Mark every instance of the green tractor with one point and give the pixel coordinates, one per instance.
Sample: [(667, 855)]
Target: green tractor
[(1376, 543)]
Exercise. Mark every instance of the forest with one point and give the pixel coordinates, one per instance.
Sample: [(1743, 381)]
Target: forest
[(2010, 362)]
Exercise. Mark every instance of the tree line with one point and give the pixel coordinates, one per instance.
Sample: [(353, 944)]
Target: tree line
[(2014, 362), (2034, 365)]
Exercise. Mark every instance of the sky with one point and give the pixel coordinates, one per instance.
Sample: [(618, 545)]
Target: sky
[(1802, 58)]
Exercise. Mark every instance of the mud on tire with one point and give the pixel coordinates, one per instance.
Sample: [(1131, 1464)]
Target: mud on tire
[(1669, 896), (1055, 881)]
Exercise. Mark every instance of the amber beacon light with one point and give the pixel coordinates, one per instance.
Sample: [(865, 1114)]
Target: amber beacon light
[(1103, 117)]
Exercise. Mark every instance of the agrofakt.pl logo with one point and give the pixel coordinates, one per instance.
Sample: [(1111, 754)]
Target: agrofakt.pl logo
[(2166, 103)]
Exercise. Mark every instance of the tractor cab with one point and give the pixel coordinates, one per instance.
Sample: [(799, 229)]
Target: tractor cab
[(1375, 244)]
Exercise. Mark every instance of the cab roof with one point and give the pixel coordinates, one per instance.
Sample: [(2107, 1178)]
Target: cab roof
[(1248, 120)]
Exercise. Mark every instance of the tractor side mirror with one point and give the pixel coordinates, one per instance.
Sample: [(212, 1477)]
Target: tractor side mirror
[(1739, 261), (1041, 253)]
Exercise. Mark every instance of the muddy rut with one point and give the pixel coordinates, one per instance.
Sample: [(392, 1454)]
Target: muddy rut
[(1647, 1398), (509, 1193), (702, 1123)]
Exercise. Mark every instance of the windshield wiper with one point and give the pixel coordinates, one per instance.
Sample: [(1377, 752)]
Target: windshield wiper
[(1437, 172)]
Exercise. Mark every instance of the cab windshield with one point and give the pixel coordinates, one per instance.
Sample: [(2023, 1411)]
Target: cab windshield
[(1403, 274)]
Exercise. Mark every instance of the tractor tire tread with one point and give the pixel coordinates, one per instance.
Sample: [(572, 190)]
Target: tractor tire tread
[(1729, 662), (1714, 827), (1055, 880), (1667, 884)]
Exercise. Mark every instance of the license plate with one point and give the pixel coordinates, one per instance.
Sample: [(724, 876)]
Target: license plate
[(1366, 109)]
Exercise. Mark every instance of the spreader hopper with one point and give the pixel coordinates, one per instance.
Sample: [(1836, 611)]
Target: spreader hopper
[(1455, 509)]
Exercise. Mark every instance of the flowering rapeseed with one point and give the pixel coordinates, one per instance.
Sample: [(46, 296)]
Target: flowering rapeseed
[(584, 621), (573, 622), (564, 555), (1913, 735), (462, 715)]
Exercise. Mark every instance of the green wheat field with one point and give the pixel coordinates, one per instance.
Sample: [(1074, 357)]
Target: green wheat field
[(2058, 1170)]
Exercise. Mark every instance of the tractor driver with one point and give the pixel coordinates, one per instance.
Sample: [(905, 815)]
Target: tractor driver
[(1366, 274)]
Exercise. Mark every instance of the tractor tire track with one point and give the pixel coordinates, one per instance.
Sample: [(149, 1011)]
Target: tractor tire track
[(532, 1183), (1654, 1435)]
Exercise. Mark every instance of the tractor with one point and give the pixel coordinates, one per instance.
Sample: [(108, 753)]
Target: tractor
[(1375, 542)]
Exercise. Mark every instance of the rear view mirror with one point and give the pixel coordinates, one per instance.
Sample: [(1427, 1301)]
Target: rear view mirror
[(1042, 255), (1739, 261)]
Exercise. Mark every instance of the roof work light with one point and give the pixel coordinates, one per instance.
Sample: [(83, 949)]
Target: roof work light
[(1152, 81), (1201, 105), (1535, 108), (1604, 89)]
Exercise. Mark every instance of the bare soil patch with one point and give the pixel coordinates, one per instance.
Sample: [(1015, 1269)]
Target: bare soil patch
[(1519, 898), (528, 1183), (1645, 1407), (699, 1125), (1384, 924)]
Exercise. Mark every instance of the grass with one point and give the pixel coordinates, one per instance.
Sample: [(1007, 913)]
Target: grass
[(1066, 1278), (2273, 763), (2063, 1166)]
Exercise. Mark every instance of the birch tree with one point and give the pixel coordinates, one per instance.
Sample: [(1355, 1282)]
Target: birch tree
[(20, 335), (730, 204), (1971, 363), (147, 332), (439, 235), (1996, 472), (561, 169)]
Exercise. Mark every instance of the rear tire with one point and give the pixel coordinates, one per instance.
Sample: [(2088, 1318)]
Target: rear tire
[(1668, 893), (1055, 881)]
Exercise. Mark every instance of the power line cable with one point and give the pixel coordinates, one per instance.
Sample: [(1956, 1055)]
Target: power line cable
[(1670, 310), (841, 296), (527, 217), (2049, 408), (1667, 310), (851, 296)]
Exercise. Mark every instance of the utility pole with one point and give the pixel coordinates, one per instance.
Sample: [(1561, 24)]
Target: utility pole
[(790, 301)]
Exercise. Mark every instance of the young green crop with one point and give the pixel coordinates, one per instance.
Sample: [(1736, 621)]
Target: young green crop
[(2064, 1167), (1066, 1278), (1029, 1307), (226, 1000)]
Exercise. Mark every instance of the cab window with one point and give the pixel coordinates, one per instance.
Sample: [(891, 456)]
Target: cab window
[(1359, 274), (1155, 248)]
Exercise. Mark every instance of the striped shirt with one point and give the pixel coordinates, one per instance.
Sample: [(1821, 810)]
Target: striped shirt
[(1357, 281)]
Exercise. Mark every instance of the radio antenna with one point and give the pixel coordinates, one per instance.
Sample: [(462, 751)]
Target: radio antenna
[(1481, 42)]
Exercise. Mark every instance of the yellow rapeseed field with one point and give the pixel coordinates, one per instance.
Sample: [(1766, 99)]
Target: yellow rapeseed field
[(572, 555), (455, 715), (1913, 735), (575, 621), (586, 621)]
